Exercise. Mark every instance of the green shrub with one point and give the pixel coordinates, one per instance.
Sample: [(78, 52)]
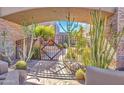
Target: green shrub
[(46, 32), (80, 74), (36, 53), (71, 54), (38, 30), (65, 45), (21, 65), (60, 46)]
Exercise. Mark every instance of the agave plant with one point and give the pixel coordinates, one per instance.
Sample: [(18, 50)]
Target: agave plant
[(5, 53), (101, 49)]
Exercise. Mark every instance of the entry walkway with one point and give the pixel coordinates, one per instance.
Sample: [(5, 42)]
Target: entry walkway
[(49, 81), (50, 69)]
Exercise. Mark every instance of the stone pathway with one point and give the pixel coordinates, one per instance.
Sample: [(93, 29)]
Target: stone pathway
[(33, 65), (48, 81), (50, 69)]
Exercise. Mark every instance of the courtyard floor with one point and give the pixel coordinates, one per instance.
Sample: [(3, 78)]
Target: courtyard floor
[(42, 78), (48, 81)]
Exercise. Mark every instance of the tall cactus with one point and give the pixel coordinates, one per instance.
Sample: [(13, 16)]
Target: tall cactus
[(102, 50), (70, 29), (71, 26)]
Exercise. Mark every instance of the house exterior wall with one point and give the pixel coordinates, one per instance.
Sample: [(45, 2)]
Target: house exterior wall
[(117, 21), (120, 25), (13, 33)]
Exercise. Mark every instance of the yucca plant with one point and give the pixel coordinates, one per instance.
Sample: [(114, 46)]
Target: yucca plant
[(101, 50)]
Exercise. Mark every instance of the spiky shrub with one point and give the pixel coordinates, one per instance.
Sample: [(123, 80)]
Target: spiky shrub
[(80, 74), (5, 53), (101, 50), (71, 54), (21, 65)]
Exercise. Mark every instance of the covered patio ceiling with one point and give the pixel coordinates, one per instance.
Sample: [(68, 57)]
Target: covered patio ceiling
[(53, 14)]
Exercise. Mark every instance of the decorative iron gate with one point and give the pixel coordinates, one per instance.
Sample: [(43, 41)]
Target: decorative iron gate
[(51, 51)]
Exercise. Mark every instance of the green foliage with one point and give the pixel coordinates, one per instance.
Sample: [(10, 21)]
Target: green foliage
[(71, 54), (21, 65), (5, 53), (46, 32), (38, 30), (36, 53), (65, 45), (80, 74), (29, 29), (70, 28), (60, 45), (100, 51), (86, 56), (82, 41), (26, 54)]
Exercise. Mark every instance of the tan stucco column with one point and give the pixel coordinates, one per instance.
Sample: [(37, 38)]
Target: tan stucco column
[(120, 25)]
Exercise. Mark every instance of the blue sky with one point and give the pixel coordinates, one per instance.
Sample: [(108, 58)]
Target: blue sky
[(64, 23)]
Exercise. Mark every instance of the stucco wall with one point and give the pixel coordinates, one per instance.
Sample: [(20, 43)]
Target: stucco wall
[(13, 29), (117, 21), (120, 23), (13, 33)]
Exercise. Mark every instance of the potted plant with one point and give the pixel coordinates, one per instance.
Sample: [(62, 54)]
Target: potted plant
[(21, 67), (60, 46), (80, 74)]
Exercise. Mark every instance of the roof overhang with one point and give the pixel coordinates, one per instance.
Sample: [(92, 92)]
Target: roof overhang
[(18, 15)]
